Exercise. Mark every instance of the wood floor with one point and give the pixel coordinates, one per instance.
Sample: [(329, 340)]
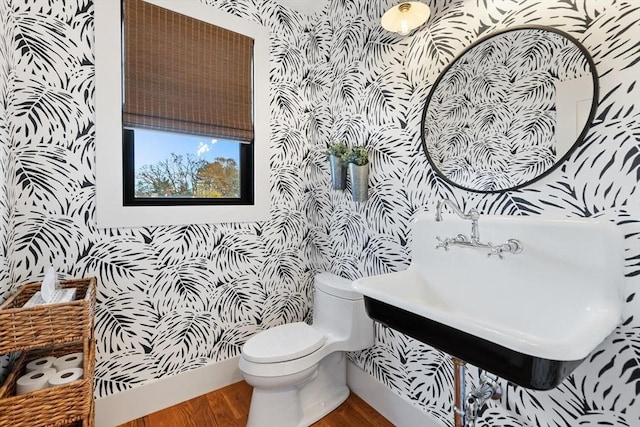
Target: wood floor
[(229, 407)]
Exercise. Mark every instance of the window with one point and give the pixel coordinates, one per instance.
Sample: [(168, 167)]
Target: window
[(188, 78), (165, 169), (217, 153)]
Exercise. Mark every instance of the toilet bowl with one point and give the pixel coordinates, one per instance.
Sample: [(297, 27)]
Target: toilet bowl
[(298, 371)]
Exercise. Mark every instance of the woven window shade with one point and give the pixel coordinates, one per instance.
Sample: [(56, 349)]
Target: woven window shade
[(184, 75)]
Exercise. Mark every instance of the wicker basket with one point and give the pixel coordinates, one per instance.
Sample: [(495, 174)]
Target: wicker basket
[(56, 406), (26, 328)]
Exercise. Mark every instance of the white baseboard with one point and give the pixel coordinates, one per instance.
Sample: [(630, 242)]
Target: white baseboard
[(159, 394), (400, 411)]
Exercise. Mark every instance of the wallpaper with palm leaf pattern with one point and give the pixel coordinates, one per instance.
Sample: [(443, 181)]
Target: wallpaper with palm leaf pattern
[(174, 298), (5, 82), (374, 95), (170, 298)]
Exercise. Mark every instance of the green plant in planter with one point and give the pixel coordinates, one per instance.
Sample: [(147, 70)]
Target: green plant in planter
[(358, 159), (357, 155), (338, 149), (337, 165)]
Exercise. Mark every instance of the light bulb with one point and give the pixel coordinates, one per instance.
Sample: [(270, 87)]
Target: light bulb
[(403, 28)]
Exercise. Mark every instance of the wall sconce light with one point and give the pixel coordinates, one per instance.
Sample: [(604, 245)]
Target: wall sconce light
[(405, 17)]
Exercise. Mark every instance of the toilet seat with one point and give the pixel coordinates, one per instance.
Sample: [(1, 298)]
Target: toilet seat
[(283, 343)]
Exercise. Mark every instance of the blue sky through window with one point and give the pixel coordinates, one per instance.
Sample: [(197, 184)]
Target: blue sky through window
[(152, 147)]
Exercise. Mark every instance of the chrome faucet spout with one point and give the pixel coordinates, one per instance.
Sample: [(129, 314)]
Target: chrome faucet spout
[(472, 215), (446, 202)]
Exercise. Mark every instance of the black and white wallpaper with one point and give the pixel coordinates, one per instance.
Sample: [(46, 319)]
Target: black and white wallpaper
[(375, 94), (170, 298), (5, 66), (174, 298)]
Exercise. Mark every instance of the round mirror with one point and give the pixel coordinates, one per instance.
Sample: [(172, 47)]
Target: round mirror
[(509, 109)]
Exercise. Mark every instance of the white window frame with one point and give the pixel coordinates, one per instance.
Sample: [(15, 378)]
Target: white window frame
[(110, 211)]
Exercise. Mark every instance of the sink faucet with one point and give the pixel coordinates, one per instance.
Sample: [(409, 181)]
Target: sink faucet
[(512, 246), (472, 215)]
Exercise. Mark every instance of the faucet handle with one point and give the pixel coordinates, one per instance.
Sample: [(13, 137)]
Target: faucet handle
[(443, 243), (495, 250), (513, 246)]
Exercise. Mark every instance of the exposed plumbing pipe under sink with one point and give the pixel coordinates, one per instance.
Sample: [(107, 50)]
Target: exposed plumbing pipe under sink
[(467, 406)]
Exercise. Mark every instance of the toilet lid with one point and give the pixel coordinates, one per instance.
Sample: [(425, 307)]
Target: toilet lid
[(282, 343)]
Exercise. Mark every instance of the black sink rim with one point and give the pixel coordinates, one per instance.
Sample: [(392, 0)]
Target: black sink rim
[(519, 368)]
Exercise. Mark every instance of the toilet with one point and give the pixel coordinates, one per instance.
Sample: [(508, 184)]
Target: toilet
[(299, 372)]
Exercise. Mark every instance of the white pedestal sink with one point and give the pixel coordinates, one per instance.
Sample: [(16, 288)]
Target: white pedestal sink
[(530, 317)]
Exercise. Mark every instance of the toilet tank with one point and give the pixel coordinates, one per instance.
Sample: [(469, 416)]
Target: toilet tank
[(339, 312)]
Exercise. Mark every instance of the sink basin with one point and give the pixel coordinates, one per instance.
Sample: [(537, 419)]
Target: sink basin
[(531, 317)]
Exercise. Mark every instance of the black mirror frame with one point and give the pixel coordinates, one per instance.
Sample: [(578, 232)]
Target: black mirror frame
[(576, 144)]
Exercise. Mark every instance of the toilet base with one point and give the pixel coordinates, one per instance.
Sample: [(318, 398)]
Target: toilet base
[(302, 404), (320, 409)]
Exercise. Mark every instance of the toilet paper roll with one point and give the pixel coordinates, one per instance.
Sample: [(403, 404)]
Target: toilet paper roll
[(34, 380), (73, 360), (41, 363), (50, 371), (65, 376)]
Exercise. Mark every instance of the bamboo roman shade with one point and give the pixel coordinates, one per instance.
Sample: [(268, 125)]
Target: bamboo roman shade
[(184, 75)]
